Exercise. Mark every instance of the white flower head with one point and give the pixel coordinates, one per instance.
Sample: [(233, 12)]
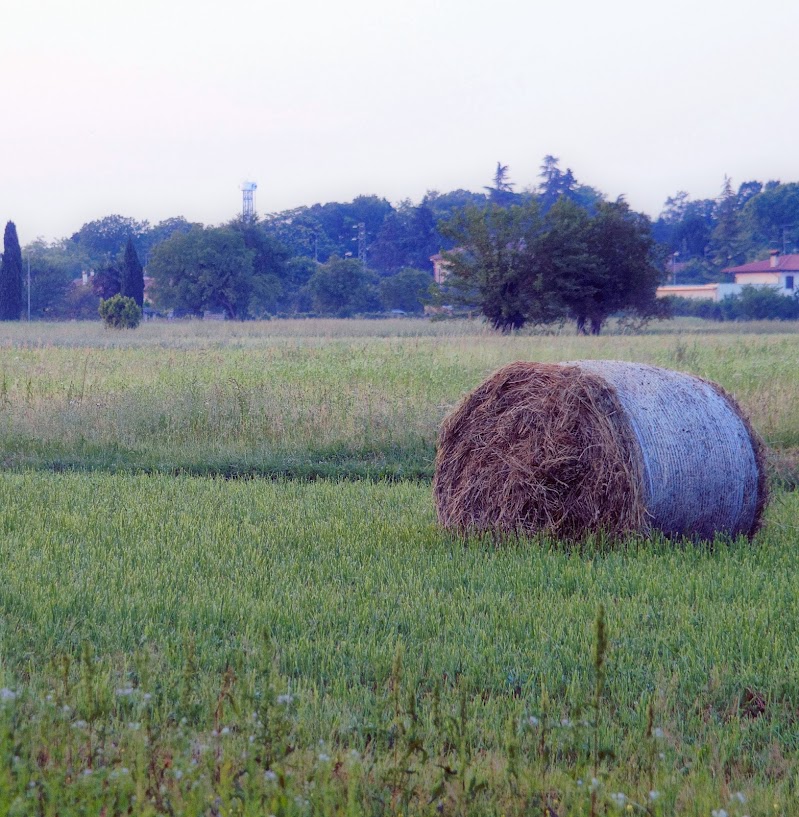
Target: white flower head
[(618, 798), (7, 694), (718, 812), (739, 796)]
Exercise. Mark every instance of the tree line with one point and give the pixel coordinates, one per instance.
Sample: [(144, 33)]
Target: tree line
[(369, 256)]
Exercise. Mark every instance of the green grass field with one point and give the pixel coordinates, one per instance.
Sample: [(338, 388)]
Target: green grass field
[(173, 641)]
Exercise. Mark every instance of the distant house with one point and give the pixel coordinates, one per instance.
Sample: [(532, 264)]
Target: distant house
[(703, 292), (781, 272)]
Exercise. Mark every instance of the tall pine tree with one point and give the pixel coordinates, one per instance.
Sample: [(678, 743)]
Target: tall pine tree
[(11, 276), (133, 275)]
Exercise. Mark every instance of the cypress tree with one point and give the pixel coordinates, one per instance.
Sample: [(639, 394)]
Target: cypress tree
[(133, 275), (11, 276)]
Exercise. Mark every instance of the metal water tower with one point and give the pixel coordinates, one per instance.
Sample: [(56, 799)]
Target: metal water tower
[(248, 199)]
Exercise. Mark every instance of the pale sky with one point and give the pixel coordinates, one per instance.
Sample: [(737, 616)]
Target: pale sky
[(160, 108)]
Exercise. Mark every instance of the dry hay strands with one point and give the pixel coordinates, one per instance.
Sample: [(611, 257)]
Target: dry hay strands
[(599, 446)]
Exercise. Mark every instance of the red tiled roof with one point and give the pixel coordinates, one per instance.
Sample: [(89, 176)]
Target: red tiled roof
[(785, 263)]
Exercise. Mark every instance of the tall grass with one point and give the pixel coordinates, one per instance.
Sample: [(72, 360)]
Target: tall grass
[(274, 398)]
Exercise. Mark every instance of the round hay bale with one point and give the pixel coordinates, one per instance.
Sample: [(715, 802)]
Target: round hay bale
[(588, 446)]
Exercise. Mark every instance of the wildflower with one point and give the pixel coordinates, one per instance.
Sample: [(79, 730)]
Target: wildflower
[(87, 772), (7, 695), (134, 726), (79, 725), (566, 723), (225, 730), (579, 781), (718, 812), (323, 757), (618, 798), (270, 775), (66, 709), (594, 784), (123, 692), (653, 795), (533, 721), (658, 732), (251, 739), (739, 796), (178, 774), (285, 699), (147, 696)]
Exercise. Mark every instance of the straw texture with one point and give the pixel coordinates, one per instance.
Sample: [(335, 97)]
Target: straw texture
[(591, 446)]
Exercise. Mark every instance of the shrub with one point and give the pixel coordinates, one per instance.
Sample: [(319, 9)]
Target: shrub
[(753, 304), (120, 312)]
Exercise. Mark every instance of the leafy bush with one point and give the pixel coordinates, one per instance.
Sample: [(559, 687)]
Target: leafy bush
[(753, 304), (120, 312)]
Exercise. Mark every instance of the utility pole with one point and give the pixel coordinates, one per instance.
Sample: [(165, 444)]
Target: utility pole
[(361, 239), (29, 287)]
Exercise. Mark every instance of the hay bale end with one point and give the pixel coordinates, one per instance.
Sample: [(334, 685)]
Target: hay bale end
[(576, 448)]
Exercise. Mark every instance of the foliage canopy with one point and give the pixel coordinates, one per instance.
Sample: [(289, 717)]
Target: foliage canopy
[(519, 267)]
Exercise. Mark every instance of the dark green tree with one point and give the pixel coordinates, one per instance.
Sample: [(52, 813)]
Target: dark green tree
[(770, 219), (725, 240), (342, 287), (501, 191), (407, 290), (205, 269), (519, 269), (132, 278), (107, 281), (495, 266), (11, 276), (102, 240), (554, 182), (624, 270)]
